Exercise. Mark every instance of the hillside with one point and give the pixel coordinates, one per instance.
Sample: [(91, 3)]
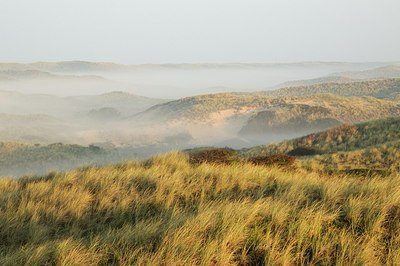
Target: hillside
[(343, 138), (46, 81), (34, 128), (202, 106), (384, 72), (62, 66), (370, 145), (167, 211), (174, 81), (304, 115), (261, 119), (390, 71), (381, 88), (25, 103), (6, 147), (19, 159), (36, 157), (382, 158), (228, 119), (126, 103), (29, 75), (13, 75), (82, 66), (321, 80), (292, 119)]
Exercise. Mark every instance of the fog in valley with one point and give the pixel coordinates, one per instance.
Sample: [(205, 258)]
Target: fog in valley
[(87, 82), (168, 81), (133, 111)]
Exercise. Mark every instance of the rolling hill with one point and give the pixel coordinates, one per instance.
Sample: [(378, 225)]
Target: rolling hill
[(174, 81), (19, 159), (303, 115), (343, 138), (63, 66), (261, 118), (201, 107), (21, 103), (384, 72), (369, 145), (384, 88)]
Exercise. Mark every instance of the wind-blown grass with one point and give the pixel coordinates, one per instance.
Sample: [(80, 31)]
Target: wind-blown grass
[(165, 211)]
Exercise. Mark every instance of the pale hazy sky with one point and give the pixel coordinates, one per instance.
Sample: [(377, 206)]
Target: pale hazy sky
[(174, 31)]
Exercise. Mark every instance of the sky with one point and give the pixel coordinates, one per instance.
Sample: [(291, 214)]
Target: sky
[(198, 31)]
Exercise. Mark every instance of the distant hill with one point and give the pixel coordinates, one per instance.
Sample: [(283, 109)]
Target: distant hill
[(6, 147), (87, 66), (104, 114), (13, 75), (260, 118), (19, 159), (391, 71), (21, 103), (385, 88), (44, 82), (63, 66), (24, 75), (384, 72), (292, 119), (201, 107), (7, 119), (321, 80), (178, 80), (125, 103), (35, 128)]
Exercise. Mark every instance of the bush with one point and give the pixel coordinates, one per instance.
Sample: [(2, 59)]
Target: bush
[(302, 151), (276, 159), (215, 156)]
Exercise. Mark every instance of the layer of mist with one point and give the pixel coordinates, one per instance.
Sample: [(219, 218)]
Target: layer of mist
[(117, 112), (160, 81)]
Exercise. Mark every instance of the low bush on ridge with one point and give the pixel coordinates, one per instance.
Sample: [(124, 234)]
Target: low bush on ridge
[(214, 155), (281, 160)]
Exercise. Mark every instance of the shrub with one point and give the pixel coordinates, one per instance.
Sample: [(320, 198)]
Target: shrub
[(282, 160), (214, 156), (302, 151)]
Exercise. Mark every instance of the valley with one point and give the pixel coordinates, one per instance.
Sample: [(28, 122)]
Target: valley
[(128, 126)]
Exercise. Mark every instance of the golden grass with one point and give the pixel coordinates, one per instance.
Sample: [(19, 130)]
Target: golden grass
[(165, 211)]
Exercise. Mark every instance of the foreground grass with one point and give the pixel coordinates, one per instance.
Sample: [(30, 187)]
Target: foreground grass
[(167, 212)]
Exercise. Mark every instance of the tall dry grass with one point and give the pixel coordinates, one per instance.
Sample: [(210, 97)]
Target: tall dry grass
[(165, 211)]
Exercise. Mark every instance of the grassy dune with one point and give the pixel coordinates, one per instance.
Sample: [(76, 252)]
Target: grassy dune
[(165, 211)]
